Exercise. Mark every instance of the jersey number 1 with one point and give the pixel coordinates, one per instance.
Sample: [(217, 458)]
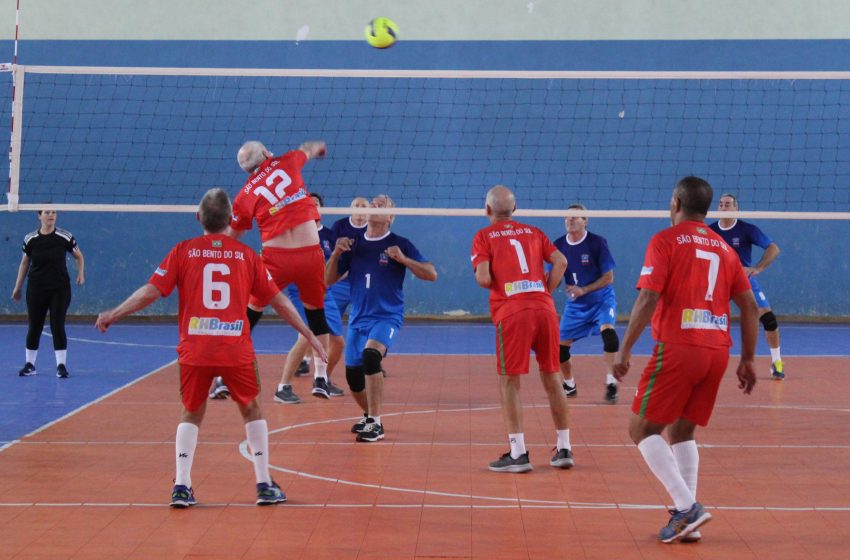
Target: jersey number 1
[(520, 255), (213, 287)]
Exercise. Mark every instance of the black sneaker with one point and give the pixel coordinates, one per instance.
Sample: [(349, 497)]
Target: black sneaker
[(506, 463), (320, 388), (286, 396), (571, 392), (361, 424), (219, 390), (563, 459), (611, 393), (27, 370), (268, 494), (303, 368), (372, 431), (61, 371), (334, 391), (182, 497)]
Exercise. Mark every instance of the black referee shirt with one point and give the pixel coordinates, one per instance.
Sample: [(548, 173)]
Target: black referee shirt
[(48, 268)]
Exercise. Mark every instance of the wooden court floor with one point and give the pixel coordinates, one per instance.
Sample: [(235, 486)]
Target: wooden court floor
[(775, 473)]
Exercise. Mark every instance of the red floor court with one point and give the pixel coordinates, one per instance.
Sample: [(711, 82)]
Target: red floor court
[(775, 469)]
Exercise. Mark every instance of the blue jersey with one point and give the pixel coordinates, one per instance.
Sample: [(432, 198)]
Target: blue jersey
[(587, 261), (741, 237), (376, 279), (344, 228), (327, 240)]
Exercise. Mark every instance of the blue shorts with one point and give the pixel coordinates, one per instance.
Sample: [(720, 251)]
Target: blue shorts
[(580, 319), (761, 299), (332, 315), (384, 332)]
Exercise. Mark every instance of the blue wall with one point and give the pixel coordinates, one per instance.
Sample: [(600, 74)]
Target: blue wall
[(808, 279)]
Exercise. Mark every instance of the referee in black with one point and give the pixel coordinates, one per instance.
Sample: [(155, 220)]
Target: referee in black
[(48, 288)]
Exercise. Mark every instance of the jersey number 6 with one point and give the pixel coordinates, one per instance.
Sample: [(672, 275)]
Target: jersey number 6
[(213, 287)]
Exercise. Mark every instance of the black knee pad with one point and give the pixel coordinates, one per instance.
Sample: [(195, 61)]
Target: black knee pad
[(769, 321), (254, 317), (356, 379), (371, 361), (317, 322), (565, 354), (610, 340)]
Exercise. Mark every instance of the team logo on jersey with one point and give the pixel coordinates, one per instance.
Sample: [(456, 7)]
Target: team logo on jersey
[(285, 201), (383, 259), (216, 243), (326, 245), (702, 231), (646, 270), (160, 272), (736, 242), (704, 319), (523, 286), (585, 259), (215, 326)]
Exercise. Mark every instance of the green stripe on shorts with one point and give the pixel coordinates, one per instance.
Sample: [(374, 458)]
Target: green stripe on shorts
[(501, 349), (659, 359)]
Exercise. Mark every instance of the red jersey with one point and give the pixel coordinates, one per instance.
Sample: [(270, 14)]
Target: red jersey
[(697, 274), (214, 275), (276, 196), (516, 253)]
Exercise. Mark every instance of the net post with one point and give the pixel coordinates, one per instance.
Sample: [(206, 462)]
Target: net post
[(17, 134)]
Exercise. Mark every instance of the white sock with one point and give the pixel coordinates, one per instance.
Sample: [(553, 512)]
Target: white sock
[(185, 444), (571, 382), (563, 439), (686, 455), (377, 419), (61, 355), (517, 442), (280, 386), (321, 370), (31, 356), (775, 356), (659, 458), (258, 443), (610, 379)]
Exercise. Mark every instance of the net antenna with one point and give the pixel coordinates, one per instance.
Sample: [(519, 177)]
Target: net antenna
[(155, 139), (17, 107)]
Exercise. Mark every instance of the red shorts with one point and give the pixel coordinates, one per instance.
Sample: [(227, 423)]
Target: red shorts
[(520, 333), (242, 381), (680, 381), (304, 266)]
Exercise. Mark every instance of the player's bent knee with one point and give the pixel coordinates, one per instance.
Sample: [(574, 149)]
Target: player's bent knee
[(355, 378), (610, 340), (769, 321), (317, 322), (372, 361), (565, 354)]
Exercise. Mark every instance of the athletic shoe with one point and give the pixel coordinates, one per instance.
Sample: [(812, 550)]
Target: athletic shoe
[(286, 396), (563, 459), (182, 496), (62, 371), (219, 390), (693, 536), (320, 388), (303, 368), (571, 392), (506, 463), (268, 494), (682, 523), (27, 370), (372, 431), (361, 424), (777, 370), (611, 393), (334, 391)]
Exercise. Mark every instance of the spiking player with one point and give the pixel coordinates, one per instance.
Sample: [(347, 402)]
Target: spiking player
[(741, 236), (508, 259), (688, 277), (376, 263), (591, 307), (215, 275), (276, 196)]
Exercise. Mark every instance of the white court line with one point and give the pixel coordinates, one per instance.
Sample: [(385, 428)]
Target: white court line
[(85, 406)]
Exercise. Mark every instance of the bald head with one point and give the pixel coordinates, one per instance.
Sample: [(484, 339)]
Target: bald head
[(251, 155), (501, 202)]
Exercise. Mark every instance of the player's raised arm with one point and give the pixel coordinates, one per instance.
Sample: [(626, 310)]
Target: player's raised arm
[(137, 301), (314, 149)]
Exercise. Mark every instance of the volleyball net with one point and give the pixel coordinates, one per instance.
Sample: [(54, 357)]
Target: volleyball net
[(155, 139)]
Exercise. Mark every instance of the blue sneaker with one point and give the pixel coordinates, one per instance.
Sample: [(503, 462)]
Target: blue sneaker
[(182, 496), (683, 523), (268, 494)]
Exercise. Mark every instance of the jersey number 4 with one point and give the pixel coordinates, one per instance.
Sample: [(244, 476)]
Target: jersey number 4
[(279, 180), (216, 292)]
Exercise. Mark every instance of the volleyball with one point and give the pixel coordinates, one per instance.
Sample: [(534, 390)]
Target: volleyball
[(381, 33)]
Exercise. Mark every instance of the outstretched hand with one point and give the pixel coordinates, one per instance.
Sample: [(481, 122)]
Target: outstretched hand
[(746, 373)]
